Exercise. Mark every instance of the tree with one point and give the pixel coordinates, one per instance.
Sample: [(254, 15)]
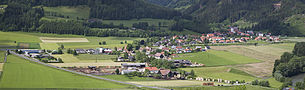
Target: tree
[(60, 51), (299, 49), (125, 42), (62, 46), (104, 42), (299, 85), (69, 51), (125, 55), (60, 60), (122, 43), (192, 74), (100, 43), (75, 53), (129, 47), (117, 71)]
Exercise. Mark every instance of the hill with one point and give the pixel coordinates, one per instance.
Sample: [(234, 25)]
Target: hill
[(176, 4), (268, 14)]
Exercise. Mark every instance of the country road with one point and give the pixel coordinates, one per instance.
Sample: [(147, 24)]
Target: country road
[(89, 75)]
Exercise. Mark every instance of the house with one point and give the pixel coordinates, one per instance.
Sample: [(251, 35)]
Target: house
[(159, 55), (182, 62), (179, 48), (120, 59), (152, 69), (131, 58), (165, 73), (137, 65), (198, 47), (80, 51), (90, 51), (165, 49), (127, 71), (29, 51), (107, 51), (188, 50)]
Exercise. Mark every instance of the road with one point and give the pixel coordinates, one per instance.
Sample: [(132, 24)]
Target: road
[(89, 75)]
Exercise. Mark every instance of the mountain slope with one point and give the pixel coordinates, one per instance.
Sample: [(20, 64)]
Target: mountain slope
[(269, 14)]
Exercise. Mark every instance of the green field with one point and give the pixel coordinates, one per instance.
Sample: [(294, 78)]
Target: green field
[(125, 78), (19, 73), (28, 45), (274, 83), (8, 39), (225, 73), (93, 43), (2, 54), (217, 58), (82, 12), (96, 57), (49, 46)]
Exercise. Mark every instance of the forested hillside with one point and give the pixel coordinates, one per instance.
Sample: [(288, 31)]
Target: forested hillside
[(269, 14), (176, 4)]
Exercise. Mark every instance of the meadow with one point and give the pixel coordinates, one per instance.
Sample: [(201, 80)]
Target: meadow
[(266, 53), (19, 73), (225, 73), (217, 58), (81, 12), (169, 83)]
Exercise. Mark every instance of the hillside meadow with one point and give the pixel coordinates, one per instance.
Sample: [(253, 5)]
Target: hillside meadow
[(19, 73)]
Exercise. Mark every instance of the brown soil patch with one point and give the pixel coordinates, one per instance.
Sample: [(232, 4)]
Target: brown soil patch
[(56, 40)]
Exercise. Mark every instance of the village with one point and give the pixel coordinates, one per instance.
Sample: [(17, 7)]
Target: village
[(143, 57)]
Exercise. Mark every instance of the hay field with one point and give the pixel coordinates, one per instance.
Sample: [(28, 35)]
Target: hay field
[(61, 40), (267, 53)]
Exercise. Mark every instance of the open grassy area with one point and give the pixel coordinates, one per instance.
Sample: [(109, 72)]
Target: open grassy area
[(70, 61), (49, 46), (170, 83), (266, 53), (19, 73), (125, 78), (129, 23), (82, 12), (7, 39), (217, 58), (274, 83), (28, 45), (2, 54), (96, 57), (111, 42), (221, 72)]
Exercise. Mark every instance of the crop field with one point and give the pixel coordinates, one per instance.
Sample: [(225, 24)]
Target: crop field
[(265, 53), (125, 78), (225, 73), (19, 73), (129, 23), (217, 58), (82, 12)]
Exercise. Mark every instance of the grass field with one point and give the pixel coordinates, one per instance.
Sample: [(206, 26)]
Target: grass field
[(96, 57), (2, 54), (62, 40), (7, 39), (49, 46), (28, 45), (274, 83), (225, 73), (125, 78), (82, 12), (265, 53), (111, 42), (70, 61), (248, 87), (19, 73), (217, 58)]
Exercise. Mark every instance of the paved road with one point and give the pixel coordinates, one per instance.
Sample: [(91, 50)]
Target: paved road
[(89, 75)]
